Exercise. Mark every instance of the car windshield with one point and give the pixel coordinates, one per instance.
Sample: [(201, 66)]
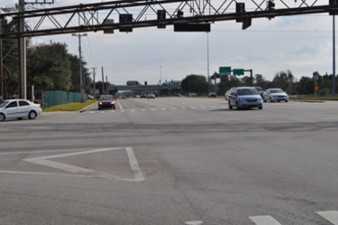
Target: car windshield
[(259, 89), (246, 91), (106, 97), (3, 103), (276, 91)]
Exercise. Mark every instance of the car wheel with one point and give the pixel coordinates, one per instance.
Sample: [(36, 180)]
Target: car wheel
[(2, 117), (237, 106), (260, 107), (113, 107), (286, 100), (230, 106), (32, 115), (20, 118)]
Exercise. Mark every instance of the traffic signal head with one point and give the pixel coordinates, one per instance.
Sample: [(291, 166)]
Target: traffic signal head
[(270, 5)]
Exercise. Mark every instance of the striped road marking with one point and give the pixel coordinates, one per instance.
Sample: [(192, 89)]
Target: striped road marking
[(331, 216), (264, 220)]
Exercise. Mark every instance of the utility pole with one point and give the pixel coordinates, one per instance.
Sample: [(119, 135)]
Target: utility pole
[(107, 85), (102, 87), (2, 77), (22, 48), (94, 88), (333, 57), (80, 59), (22, 55)]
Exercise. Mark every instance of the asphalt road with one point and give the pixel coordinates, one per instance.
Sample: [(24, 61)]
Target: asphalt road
[(172, 161)]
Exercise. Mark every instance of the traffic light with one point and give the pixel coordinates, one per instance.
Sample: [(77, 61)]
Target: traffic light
[(126, 18), (240, 8), (333, 4), (179, 13), (246, 23), (245, 20), (270, 5), (161, 15)]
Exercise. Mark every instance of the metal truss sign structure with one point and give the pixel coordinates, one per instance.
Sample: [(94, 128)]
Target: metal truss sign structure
[(126, 15)]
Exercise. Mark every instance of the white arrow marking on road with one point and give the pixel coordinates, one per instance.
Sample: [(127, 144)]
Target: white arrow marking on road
[(331, 216), (264, 220), (45, 161)]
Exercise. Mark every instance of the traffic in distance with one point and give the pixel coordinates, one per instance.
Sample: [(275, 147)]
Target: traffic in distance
[(253, 97), (236, 97)]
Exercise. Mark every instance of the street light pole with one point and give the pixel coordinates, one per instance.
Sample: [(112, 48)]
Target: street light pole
[(80, 59), (333, 56)]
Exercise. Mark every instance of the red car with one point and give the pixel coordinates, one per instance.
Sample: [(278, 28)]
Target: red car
[(106, 101)]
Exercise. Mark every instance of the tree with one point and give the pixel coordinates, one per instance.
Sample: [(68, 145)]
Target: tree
[(227, 82), (195, 83), (48, 67), (75, 77), (260, 81), (284, 80), (305, 86)]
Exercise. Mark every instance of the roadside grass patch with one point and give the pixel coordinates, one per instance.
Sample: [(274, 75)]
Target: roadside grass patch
[(72, 106)]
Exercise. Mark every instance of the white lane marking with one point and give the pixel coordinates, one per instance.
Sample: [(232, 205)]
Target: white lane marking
[(196, 222), (42, 173), (331, 216), (118, 102), (138, 175), (44, 160), (264, 220)]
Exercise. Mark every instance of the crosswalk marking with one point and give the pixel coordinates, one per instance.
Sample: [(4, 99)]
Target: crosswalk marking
[(331, 216), (123, 110), (264, 220)]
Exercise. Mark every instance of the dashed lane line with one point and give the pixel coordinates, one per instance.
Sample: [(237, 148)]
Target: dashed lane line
[(264, 220)]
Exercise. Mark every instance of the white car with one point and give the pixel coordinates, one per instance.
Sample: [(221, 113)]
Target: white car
[(275, 94), (19, 109)]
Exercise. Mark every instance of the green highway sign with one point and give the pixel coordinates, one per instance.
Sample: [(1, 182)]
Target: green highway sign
[(238, 72), (225, 70)]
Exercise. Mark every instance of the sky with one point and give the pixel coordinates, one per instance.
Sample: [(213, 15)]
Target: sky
[(301, 44)]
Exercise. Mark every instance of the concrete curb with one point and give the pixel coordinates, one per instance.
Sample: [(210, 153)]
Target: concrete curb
[(87, 107)]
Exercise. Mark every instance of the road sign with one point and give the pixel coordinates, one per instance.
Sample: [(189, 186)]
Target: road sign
[(315, 88), (224, 70), (238, 71)]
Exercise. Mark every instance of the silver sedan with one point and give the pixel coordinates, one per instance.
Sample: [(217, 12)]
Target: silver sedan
[(19, 109)]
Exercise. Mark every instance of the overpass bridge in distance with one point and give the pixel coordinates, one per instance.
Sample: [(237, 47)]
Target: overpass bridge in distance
[(146, 87)]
